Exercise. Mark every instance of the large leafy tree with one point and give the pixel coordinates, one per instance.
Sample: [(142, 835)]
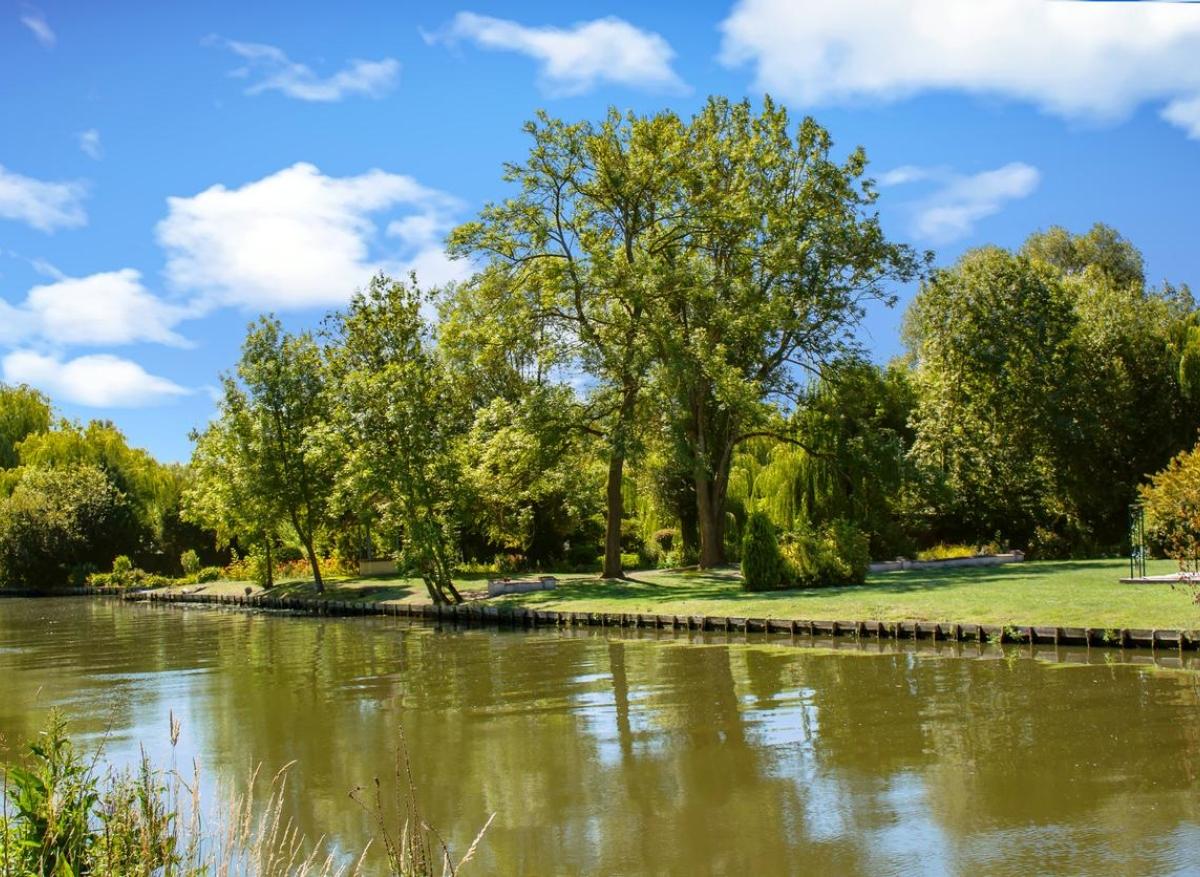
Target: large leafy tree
[(583, 242), (223, 493), (60, 522), (280, 406), (993, 343), (399, 418), (774, 252)]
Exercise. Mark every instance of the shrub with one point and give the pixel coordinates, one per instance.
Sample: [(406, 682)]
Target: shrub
[(837, 554), (123, 571), (508, 563), (762, 564), (665, 539), (630, 560), (190, 561), (288, 553), (1172, 504), (209, 574)]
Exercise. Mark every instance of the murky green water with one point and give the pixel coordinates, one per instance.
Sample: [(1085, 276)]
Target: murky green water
[(604, 754)]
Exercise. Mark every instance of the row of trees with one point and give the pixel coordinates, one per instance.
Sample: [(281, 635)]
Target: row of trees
[(72, 497), (660, 339)]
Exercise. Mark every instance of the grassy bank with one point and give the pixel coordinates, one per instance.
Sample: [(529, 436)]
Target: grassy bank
[(1083, 593)]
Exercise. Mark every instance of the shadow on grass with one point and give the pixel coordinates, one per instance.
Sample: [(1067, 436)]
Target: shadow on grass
[(724, 585)]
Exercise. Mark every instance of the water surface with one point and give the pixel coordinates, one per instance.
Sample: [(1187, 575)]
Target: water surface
[(648, 754)]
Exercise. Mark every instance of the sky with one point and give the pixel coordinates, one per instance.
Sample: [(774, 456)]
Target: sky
[(169, 171)]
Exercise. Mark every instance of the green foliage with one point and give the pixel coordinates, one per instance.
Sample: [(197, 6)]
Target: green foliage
[(23, 412), (189, 561), (832, 555), (55, 800), (209, 574), (762, 564), (398, 420), (1172, 506), (122, 571), (57, 520), (943, 551), (1037, 371)]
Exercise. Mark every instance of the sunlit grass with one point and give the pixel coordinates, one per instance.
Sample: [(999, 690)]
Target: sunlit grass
[(1071, 593)]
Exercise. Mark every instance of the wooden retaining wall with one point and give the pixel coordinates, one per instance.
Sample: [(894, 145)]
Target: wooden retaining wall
[(501, 615)]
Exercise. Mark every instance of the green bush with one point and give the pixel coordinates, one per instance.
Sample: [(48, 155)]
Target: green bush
[(100, 580), (190, 561), (208, 574), (665, 539), (123, 571), (837, 554), (762, 564), (630, 560)]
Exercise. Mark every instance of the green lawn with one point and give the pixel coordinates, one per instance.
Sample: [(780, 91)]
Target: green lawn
[(1076, 593)]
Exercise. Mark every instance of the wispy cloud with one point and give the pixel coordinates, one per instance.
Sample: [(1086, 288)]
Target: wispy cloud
[(959, 201), (44, 205), (89, 142), (39, 27), (1079, 59), (575, 59), (270, 69)]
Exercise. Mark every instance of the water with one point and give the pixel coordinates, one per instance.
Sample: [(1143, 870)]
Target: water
[(610, 754)]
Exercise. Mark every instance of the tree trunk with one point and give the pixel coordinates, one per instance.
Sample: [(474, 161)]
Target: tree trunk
[(315, 564), (270, 559), (615, 511), (710, 508)]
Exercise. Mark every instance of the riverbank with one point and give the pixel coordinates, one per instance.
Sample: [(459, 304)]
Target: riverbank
[(1055, 601)]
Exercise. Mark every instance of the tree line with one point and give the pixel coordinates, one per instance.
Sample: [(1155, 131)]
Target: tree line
[(660, 338)]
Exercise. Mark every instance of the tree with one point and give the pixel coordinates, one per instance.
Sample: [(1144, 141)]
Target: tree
[(849, 461), (23, 412), (223, 493), (399, 417), (775, 253), (283, 413), (582, 242), (993, 346), (60, 522)]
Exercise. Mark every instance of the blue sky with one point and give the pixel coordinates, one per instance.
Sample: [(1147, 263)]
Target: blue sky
[(168, 171)]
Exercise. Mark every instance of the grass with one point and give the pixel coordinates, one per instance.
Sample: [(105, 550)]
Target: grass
[(1073, 593)]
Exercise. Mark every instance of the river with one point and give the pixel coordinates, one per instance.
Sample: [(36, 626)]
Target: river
[(644, 754)]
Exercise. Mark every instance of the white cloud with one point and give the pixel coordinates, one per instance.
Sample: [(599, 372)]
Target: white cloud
[(1078, 59), (1185, 113), (273, 70), (298, 238), (43, 205), (89, 142), (960, 201), (108, 308), (573, 60), (41, 30), (907, 173), (97, 381)]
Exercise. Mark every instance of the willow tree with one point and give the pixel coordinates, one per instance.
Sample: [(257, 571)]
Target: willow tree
[(775, 252), (586, 239)]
